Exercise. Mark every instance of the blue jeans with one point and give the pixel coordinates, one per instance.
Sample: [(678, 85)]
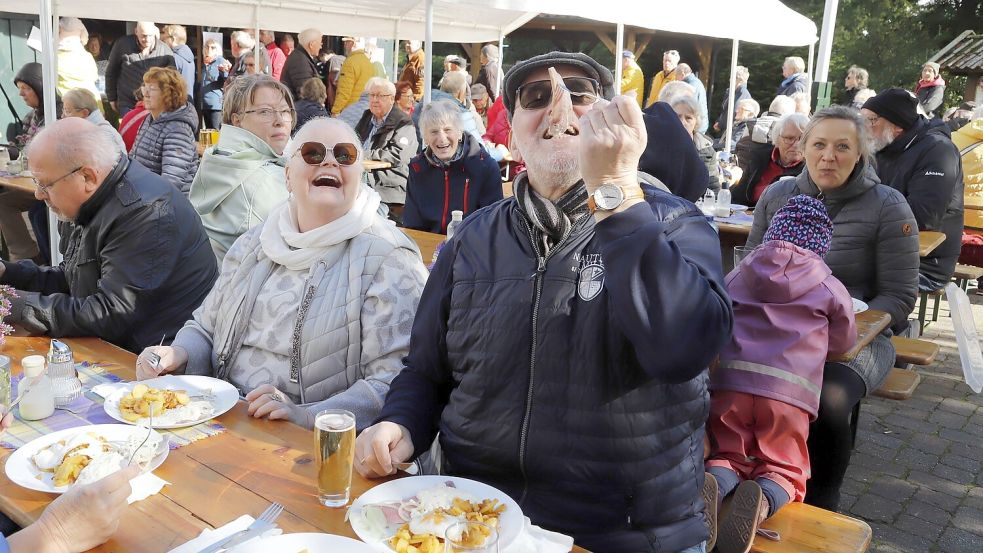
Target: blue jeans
[(698, 548)]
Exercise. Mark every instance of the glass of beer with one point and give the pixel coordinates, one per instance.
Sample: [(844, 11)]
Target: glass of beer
[(334, 431)]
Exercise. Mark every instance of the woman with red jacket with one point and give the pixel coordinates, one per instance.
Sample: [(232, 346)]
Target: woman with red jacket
[(453, 173)]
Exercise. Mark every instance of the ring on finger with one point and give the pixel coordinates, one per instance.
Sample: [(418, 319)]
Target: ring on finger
[(275, 396)]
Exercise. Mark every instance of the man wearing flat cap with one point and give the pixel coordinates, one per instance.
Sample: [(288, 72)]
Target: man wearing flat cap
[(917, 157), (560, 347)]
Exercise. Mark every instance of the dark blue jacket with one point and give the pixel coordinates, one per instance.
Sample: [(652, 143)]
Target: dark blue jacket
[(184, 59), (575, 382), (467, 185), (670, 154), (741, 94)]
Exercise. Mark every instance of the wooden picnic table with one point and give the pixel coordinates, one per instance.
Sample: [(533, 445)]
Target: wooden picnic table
[(870, 323), (212, 481), (807, 529), (973, 219), (427, 242), (23, 184), (929, 240), (374, 164)]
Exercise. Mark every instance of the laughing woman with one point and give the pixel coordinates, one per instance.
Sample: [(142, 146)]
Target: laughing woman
[(314, 306)]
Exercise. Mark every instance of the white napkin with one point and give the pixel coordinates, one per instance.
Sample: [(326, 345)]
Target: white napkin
[(534, 539), (104, 390), (209, 536), (144, 486)]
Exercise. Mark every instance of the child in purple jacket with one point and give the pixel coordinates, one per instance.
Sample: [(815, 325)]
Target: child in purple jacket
[(790, 312)]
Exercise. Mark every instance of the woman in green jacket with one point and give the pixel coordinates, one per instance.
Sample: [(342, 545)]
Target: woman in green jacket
[(241, 178)]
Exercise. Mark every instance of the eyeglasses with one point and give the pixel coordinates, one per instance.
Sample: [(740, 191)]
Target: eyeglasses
[(379, 96), (583, 91), (873, 120), (147, 88), (268, 115), (314, 153), (790, 139), (44, 188)]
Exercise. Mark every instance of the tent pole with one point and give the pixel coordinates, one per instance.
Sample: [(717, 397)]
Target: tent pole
[(729, 131), (396, 52), (259, 44), (821, 86), (428, 59), (49, 41), (501, 67), (617, 58)]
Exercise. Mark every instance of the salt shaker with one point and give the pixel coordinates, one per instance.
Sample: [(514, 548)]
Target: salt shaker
[(64, 378)]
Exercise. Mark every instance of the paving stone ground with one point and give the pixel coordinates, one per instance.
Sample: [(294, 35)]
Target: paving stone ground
[(916, 475)]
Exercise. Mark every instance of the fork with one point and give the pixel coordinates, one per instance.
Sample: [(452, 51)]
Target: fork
[(150, 428), (260, 525)]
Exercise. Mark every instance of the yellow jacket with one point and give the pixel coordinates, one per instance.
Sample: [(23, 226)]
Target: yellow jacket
[(658, 82), (355, 72), (76, 67), (966, 137), (632, 79)]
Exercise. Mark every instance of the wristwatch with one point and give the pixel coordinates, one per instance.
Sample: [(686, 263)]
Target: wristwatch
[(608, 197)]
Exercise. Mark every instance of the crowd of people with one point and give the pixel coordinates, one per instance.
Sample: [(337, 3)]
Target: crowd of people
[(273, 260)]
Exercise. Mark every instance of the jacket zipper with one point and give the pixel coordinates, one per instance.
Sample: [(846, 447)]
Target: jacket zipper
[(447, 201), (467, 185), (524, 432)]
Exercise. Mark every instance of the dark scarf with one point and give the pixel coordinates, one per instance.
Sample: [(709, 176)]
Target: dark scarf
[(552, 221)]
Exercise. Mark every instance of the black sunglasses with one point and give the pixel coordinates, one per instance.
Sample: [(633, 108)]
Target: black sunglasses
[(584, 91), (314, 153)]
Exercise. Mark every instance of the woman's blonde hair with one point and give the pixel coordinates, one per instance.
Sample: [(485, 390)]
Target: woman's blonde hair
[(239, 96)]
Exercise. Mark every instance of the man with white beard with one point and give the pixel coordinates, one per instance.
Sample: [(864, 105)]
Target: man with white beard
[(561, 344), (917, 157)]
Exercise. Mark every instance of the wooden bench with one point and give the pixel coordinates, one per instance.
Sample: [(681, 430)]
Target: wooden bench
[(901, 383), (804, 528), (966, 273), (923, 307)]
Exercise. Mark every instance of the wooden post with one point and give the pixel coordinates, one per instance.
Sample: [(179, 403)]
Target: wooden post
[(607, 41)]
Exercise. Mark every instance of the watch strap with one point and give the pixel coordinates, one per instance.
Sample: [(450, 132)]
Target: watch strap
[(628, 193)]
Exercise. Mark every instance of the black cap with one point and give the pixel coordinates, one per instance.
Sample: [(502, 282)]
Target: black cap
[(519, 71), (896, 105)]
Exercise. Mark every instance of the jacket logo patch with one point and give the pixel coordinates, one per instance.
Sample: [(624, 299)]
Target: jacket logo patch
[(906, 229), (591, 279), (403, 140), (934, 174)]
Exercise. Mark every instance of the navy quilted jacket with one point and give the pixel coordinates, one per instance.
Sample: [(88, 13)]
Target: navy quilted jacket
[(168, 146), (574, 382)]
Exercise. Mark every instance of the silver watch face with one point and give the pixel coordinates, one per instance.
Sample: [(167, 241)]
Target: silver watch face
[(608, 197)]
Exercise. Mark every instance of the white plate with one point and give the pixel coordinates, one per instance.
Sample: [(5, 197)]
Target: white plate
[(294, 543), (509, 524), (738, 207), (21, 470), (226, 396), (859, 306)]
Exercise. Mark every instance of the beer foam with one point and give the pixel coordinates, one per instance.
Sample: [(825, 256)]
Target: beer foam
[(334, 422)]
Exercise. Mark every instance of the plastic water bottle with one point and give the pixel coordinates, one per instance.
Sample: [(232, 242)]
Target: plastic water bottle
[(723, 201), (456, 218), (4, 158), (5, 380), (39, 398)]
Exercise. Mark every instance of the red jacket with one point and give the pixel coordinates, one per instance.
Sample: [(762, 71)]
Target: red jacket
[(277, 59), (130, 124)]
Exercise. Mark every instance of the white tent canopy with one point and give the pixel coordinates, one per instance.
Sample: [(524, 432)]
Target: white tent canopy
[(453, 21), (770, 21)]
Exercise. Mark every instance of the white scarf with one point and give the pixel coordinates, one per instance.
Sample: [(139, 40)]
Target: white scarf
[(283, 243)]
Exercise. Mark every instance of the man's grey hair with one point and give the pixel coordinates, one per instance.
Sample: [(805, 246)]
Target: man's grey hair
[(684, 69), (782, 105), (177, 32), (308, 35), (83, 147), (749, 104), (439, 114), (796, 63), (308, 133), (741, 74), (454, 82), (379, 82), (490, 51), (478, 90), (148, 26), (690, 104), (242, 39), (844, 113), (82, 98), (676, 88), (796, 120), (71, 26)]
